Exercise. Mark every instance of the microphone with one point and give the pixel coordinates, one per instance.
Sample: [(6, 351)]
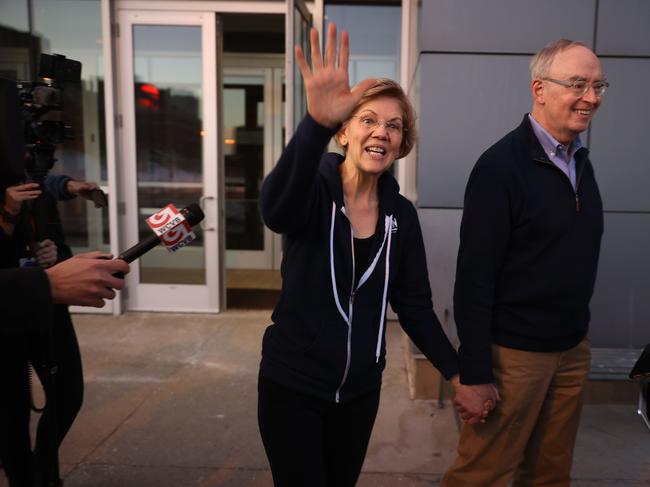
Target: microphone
[(193, 215)]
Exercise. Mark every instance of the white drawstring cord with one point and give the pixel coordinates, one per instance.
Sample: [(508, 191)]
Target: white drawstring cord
[(387, 235), (332, 272), (383, 300)]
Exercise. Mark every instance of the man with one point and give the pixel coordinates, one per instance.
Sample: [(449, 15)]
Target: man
[(530, 240), (83, 280)]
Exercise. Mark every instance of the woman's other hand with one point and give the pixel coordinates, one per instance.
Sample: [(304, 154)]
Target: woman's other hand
[(329, 98), (15, 196), (46, 253)]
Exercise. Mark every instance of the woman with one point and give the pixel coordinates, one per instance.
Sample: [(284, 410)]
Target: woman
[(352, 243)]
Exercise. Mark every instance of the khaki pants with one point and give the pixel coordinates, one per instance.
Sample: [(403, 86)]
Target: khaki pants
[(529, 437)]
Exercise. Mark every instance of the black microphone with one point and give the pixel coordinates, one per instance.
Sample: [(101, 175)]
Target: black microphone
[(193, 215)]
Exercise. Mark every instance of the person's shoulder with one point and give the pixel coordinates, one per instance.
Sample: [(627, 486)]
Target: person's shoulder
[(406, 210), (404, 204), (503, 156), (328, 167)]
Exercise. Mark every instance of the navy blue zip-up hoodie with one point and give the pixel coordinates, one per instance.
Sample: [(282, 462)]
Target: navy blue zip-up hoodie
[(529, 246), (327, 339)]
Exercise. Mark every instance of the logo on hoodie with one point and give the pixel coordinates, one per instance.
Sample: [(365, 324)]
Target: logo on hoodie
[(393, 226)]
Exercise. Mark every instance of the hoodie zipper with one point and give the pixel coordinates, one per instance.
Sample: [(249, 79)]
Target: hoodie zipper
[(348, 318), (578, 177), (349, 321)]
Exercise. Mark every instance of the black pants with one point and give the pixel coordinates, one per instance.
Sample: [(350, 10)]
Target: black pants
[(63, 392), (312, 442)]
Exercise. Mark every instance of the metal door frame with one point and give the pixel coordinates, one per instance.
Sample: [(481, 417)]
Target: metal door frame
[(164, 297)]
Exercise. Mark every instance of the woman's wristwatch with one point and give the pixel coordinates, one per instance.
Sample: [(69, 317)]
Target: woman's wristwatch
[(8, 216)]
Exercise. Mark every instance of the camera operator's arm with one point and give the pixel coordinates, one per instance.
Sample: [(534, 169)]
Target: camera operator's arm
[(64, 188), (12, 205), (57, 186), (86, 279)]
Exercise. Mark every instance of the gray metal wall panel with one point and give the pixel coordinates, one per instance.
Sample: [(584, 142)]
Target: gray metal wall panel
[(619, 136), (517, 26), (441, 232), (620, 309), (467, 103), (623, 27)]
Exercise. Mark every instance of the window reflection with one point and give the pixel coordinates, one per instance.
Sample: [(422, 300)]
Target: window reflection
[(244, 159), (168, 127), (71, 28)]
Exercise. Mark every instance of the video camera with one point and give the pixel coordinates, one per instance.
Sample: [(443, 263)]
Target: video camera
[(28, 140), (30, 129)]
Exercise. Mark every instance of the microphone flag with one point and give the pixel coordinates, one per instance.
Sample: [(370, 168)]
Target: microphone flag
[(171, 227)]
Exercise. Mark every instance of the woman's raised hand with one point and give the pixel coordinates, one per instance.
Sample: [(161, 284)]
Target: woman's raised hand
[(329, 98)]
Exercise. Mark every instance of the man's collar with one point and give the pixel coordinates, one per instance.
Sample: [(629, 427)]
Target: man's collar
[(549, 143)]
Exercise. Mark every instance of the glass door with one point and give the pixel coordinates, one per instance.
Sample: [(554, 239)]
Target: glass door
[(168, 107), (252, 122)]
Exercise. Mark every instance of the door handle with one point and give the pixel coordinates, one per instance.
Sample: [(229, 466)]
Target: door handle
[(204, 223)]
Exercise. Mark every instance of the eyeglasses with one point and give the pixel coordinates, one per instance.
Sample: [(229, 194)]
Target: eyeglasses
[(580, 87), (393, 127)]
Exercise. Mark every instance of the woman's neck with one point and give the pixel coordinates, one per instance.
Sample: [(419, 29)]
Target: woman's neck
[(361, 198), (359, 188)]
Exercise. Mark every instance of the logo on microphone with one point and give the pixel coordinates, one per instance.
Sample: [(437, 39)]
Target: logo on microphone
[(171, 227)]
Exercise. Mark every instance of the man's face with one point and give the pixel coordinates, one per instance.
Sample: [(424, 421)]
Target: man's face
[(560, 110)]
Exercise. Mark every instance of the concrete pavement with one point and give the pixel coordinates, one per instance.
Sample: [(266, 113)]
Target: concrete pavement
[(171, 402)]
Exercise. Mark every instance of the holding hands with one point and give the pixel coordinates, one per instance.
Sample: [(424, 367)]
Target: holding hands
[(474, 402), (330, 100)]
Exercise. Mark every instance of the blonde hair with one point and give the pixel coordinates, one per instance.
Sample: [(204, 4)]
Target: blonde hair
[(387, 88)]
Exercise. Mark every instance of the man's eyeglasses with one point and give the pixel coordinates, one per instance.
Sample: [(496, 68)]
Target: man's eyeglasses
[(580, 87), (393, 127)]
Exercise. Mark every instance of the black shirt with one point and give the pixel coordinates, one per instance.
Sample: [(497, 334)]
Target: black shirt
[(362, 248)]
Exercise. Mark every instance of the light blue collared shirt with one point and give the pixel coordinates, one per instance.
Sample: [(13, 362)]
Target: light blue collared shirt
[(559, 154)]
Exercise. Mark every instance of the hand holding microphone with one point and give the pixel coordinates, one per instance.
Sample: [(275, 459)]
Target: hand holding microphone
[(86, 279)]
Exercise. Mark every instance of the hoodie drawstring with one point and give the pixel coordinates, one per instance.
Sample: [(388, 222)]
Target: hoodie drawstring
[(332, 272), (389, 230), (388, 226)]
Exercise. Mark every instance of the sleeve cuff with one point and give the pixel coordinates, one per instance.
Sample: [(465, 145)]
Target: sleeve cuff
[(475, 371)]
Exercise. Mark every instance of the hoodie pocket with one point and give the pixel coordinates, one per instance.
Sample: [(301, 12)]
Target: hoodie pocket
[(293, 337), (323, 353), (329, 352)]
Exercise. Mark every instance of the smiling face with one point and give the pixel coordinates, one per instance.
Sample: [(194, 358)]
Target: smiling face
[(373, 149), (557, 108)]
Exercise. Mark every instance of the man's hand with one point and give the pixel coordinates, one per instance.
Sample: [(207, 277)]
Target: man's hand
[(474, 402), (82, 188), (86, 279), (45, 252)]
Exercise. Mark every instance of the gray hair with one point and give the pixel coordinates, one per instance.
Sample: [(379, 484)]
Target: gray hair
[(540, 64)]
